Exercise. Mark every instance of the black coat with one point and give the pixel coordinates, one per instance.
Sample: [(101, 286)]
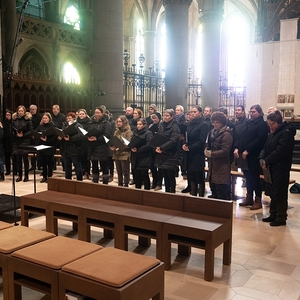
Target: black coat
[(197, 131), (181, 121), (99, 148), (58, 120), (51, 140), (277, 153), (142, 159), (86, 124), (253, 140), (18, 123), (7, 137), (240, 128), (36, 120), (1, 141), (171, 154), (73, 147)]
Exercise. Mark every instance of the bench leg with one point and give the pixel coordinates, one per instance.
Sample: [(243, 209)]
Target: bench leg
[(184, 250), (227, 252), (209, 262), (144, 241), (109, 234), (24, 217)]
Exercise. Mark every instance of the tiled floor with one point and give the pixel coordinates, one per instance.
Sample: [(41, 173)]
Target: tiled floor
[(265, 260)]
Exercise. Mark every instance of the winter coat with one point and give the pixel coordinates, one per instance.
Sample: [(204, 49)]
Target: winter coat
[(240, 127), (112, 131), (171, 154), (58, 120), (124, 153), (181, 121), (278, 153), (253, 140), (51, 140), (133, 124), (8, 136), (197, 131), (18, 123), (141, 160), (220, 143), (36, 120), (86, 124), (99, 148), (1, 140), (207, 120), (73, 147)]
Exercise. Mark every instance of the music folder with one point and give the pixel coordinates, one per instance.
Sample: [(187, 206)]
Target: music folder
[(267, 175), (92, 132), (158, 140), (22, 129), (36, 134), (116, 142), (136, 142), (34, 149)]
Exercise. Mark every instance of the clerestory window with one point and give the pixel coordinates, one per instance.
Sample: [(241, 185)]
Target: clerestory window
[(72, 16)]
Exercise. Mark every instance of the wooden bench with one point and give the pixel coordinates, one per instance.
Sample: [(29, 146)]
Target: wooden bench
[(128, 211)]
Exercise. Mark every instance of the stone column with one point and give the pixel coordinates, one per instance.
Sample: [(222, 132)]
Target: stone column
[(149, 42), (211, 16), (107, 54), (10, 25), (176, 18)]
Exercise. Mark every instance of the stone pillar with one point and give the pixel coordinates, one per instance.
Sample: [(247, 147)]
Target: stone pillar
[(10, 25), (211, 16), (176, 80), (149, 42), (107, 54)]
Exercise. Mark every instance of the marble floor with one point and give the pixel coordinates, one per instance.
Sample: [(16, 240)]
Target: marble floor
[(265, 260)]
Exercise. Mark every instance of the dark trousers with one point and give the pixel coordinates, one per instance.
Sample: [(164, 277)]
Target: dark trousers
[(76, 160), (122, 167), (47, 164), (198, 178), (19, 158), (253, 182), (7, 156), (140, 177), (156, 177), (111, 166), (170, 180), (219, 191), (86, 164), (104, 169)]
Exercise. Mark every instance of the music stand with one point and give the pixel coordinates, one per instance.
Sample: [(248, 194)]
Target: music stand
[(34, 149)]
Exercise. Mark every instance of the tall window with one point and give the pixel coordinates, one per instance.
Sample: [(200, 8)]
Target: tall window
[(70, 74), (72, 16), (139, 46), (35, 8), (237, 37)]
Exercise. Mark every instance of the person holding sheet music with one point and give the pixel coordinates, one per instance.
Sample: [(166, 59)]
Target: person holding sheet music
[(85, 121), (98, 146), (218, 151), (141, 155), (168, 154), (121, 156), (46, 156), (196, 134), (71, 147), (276, 157), (22, 127)]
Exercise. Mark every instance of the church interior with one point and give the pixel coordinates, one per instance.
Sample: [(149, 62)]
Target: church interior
[(120, 53)]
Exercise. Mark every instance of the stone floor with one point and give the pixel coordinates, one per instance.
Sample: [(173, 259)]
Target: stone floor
[(265, 260)]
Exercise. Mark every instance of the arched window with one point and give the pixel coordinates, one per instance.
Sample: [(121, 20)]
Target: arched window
[(70, 74), (72, 16), (139, 46), (35, 8)]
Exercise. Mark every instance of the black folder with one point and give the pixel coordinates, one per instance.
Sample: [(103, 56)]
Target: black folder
[(159, 139), (116, 142), (93, 132), (22, 129), (70, 130), (267, 175), (136, 142), (36, 134)]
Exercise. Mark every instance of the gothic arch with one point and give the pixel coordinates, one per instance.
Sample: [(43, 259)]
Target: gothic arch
[(34, 63)]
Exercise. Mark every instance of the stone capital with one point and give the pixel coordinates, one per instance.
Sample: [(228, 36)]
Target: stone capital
[(211, 17), (188, 2)]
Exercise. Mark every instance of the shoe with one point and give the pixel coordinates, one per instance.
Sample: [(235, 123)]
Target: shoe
[(157, 188), (278, 223), (186, 190), (257, 204), (268, 219), (25, 179), (19, 179), (248, 201), (43, 180), (131, 182), (7, 173)]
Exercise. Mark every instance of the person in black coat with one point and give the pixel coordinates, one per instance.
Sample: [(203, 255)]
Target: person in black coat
[(168, 155), (98, 146), (248, 148), (71, 147), (85, 121), (22, 127), (1, 153), (194, 146), (277, 156), (7, 140), (46, 156), (141, 155)]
